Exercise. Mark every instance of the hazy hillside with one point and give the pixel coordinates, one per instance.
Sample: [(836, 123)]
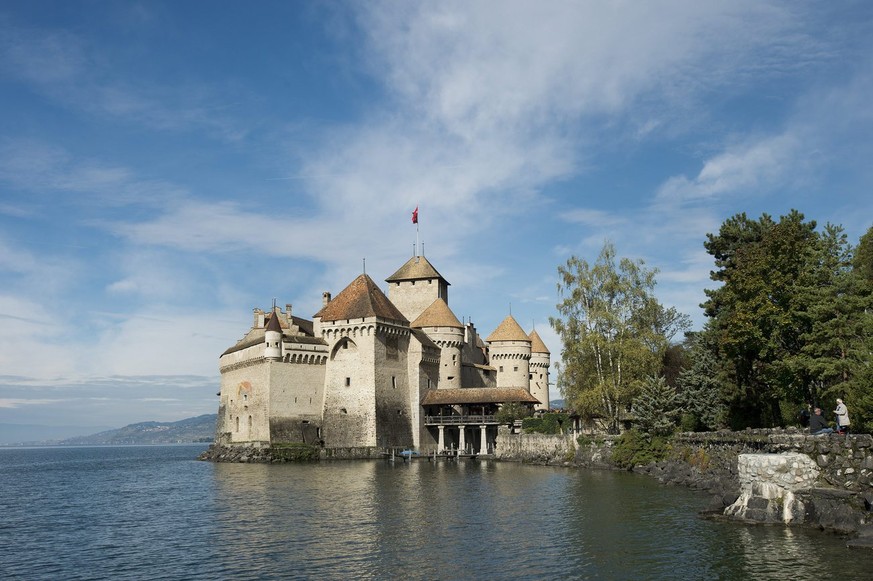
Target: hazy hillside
[(199, 429)]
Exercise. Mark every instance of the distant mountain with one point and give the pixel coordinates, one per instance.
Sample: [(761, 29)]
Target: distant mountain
[(556, 404), (42, 434), (199, 429)]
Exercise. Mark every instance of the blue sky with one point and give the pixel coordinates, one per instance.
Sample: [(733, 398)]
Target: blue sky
[(166, 167)]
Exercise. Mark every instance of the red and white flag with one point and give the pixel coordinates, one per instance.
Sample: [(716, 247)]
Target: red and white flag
[(415, 215)]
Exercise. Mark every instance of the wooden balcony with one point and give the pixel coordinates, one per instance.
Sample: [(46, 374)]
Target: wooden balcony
[(478, 420)]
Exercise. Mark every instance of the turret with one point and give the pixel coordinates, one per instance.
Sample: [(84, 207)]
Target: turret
[(540, 360), (443, 328), (273, 338), (509, 348)]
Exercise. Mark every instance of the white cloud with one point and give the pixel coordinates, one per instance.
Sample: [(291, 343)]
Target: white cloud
[(10, 403), (45, 169), (750, 168)]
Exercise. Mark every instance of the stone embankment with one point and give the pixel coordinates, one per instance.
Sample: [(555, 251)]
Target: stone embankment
[(765, 476), (258, 453)]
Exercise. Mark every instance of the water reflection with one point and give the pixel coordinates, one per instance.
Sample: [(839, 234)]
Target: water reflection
[(471, 520)]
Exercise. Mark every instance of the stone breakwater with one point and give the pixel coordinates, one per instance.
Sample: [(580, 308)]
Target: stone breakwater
[(766, 476)]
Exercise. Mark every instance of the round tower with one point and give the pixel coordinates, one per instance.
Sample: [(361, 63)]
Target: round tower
[(540, 360), (509, 348), (273, 338), (443, 328)]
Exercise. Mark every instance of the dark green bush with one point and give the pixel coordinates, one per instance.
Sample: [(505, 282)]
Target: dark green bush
[(533, 425), (634, 448), (552, 423)]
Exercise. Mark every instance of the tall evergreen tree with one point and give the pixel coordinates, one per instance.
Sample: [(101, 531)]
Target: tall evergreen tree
[(657, 407), (700, 387), (755, 315)]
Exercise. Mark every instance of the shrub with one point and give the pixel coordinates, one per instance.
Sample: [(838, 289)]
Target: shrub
[(532, 425), (509, 412), (635, 448), (552, 423)]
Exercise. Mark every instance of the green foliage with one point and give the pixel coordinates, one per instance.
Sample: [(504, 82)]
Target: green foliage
[(532, 425), (549, 423), (509, 412), (656, 408), (700, 388), (790, 321), (635, 448), (585, 440), (690, 423), (613, 331)]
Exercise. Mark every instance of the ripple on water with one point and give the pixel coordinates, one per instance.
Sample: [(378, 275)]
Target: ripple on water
[(135, 513)]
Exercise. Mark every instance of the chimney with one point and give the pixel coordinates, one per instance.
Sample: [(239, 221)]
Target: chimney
[(325, 298)]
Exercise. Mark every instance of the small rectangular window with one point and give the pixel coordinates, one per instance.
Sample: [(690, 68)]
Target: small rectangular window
[(348, 381)]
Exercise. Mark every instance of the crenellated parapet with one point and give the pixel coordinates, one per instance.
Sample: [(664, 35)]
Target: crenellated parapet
[(445, 344), (498, 356), (334, 331)]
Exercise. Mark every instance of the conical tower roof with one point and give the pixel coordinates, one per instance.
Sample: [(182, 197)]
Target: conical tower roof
[(416, 268), (360, 300), (508, 330), (438, 314), (273, 324), (536, 343)]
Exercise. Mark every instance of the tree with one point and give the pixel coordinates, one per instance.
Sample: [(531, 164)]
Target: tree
[(790, 324), (700, 387), (757, 316), (656, 408), (613, 331)]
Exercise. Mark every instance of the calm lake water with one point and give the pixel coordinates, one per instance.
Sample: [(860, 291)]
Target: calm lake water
[(156, 513)]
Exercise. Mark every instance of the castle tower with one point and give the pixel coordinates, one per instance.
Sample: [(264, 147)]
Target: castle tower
[(442, 327), (510, 350), (367, 395), (415, 286), (273, 338), (540, 359)]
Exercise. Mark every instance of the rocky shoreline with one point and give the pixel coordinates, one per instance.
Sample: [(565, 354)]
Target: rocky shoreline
[(840, 501)]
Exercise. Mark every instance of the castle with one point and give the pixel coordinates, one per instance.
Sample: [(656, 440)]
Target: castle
[(374, 371)]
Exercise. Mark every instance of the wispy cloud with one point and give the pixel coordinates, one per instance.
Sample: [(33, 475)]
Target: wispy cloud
[(17, 403), (68, 69)]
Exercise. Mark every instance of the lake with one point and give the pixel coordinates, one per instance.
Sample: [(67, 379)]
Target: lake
[(154, 512)]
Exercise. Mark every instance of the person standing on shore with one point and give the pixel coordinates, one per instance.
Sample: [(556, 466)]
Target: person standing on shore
[(842, 417)]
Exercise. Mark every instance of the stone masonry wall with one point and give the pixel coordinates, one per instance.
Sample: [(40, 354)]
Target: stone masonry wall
[(533, 448)]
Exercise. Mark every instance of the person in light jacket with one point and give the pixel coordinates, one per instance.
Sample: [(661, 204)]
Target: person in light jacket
[(842, 417)]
